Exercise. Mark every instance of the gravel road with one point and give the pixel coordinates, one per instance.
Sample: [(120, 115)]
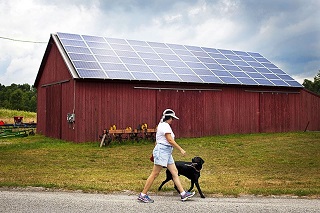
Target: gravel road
[(49, 201)]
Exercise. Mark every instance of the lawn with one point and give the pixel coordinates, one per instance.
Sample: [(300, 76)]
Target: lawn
[(256, 164), (6, 115)]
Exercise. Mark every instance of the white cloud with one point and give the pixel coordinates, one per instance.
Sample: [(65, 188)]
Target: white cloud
[(285, 33), (26, 57)]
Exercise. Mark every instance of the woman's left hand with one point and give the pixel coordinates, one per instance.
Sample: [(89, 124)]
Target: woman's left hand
[(183, 152)]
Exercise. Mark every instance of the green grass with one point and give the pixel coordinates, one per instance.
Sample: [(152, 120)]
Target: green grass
[(7, 115), (259, 164)]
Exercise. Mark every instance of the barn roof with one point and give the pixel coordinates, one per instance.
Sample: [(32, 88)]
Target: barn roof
[(98, 57)]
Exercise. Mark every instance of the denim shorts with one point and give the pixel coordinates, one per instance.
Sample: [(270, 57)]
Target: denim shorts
[(162, 155)]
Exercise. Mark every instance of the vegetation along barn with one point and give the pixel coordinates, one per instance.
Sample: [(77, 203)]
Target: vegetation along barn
[(88, 83)]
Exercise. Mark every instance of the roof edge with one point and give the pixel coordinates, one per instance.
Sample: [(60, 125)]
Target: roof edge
[(311, 92), (43, 62), (54, 40), (65, 56)]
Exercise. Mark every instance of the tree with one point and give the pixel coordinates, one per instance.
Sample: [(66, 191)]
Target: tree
[(18, 97), (33, 104), (313, 86), (2, 97), (17, 100)]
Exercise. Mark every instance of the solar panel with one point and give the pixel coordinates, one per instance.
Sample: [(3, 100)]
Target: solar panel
[(278, 82), (86, 73), (182, 70), (222, 73), (214, 66), (210, 79), (240, 63), (263, 81), (293, 83), (168, 77), (159, 70), (202, 71), (190, 78), (138, 68), (176, 64), (145, 76), (207, 60), (113, 58), (248, 81), (119, 75)]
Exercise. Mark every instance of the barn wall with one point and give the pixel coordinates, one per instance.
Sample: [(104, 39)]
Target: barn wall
[(54, 83), (211, 112), (279, 112), (238, 111), (53, 111), (226, 111), (100, 105), (68, 103), (310, 111)]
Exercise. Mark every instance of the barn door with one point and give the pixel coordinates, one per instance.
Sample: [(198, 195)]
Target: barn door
[(53, 111)]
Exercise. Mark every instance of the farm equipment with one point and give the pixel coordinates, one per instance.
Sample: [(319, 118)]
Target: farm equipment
[(18, 129), (114, 134)]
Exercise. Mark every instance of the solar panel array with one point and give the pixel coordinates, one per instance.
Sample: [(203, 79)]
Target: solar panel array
[(111, 58)]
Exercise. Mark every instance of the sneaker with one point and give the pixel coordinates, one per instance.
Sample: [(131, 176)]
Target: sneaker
[(145, 199), (187, 195)]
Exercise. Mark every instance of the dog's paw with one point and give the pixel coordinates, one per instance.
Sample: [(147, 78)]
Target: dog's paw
[(202, 196)]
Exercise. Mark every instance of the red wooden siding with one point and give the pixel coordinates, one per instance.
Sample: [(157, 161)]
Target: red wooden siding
[(211, 110), (99, 105), (201, 113), (310, 111), (214, 110), (274, 112), (51, 95), (53, 111), (238, 111)]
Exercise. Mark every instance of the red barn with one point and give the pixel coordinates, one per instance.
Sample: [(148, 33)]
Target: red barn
[(88, 83)]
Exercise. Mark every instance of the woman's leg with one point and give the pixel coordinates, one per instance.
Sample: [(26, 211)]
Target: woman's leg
[(174, 172), (154, 174)]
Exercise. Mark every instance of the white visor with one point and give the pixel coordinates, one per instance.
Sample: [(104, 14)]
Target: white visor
[(170, 112)]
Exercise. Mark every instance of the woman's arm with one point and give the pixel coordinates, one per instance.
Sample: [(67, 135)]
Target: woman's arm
[(174, 144)]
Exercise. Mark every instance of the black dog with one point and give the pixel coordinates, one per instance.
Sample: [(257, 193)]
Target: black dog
[(191, 170)]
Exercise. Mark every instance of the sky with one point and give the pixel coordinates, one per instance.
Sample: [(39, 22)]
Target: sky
[(286, 32)]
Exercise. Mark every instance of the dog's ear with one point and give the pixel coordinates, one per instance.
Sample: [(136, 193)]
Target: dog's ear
[(202, 161), (198, 166)]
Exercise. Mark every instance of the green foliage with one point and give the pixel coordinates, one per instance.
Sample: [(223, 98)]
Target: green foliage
[(18, 97), (313, 86)]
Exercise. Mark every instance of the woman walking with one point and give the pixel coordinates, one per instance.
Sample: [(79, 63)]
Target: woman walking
[(162, 154)]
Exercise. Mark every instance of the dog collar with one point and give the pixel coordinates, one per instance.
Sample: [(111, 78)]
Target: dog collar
[(192, 165)]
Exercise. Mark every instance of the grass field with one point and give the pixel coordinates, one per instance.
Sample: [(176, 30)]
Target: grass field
[(7, 115), (257, 164)]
